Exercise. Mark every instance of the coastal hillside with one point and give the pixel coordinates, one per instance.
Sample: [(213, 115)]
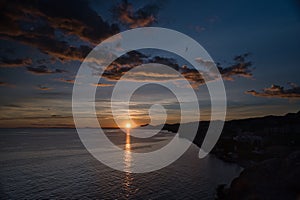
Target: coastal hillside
[(269, 150), (252, 140)]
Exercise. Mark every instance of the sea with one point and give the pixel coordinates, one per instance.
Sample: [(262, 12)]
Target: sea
[(54, 164)]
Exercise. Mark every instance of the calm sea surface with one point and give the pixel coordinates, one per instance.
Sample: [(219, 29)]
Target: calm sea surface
[(53, 163)]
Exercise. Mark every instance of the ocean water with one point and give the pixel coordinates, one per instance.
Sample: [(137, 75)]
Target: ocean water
[(53, 164)]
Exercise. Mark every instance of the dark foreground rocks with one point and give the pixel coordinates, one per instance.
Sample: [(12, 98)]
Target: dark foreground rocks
[(277, 178)]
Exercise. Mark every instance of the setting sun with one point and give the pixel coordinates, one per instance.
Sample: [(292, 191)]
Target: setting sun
[(128, 125)]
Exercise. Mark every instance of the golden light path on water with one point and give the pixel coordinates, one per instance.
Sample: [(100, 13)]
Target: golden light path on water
[(127, 165)]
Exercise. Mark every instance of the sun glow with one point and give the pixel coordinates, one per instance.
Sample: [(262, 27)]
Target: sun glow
[(128, 125)]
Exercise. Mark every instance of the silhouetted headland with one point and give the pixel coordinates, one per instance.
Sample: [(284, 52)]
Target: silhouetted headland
[(269, 150)]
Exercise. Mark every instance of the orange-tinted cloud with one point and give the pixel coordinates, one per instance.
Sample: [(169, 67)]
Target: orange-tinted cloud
[(34, 23), (103, 85), (6, 84), (145, 16), (240, 68), (65, 80), (19, 62), (277, 91), (44, 88), (42, 70)]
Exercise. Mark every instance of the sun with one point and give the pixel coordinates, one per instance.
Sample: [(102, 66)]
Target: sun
[(128, 125)]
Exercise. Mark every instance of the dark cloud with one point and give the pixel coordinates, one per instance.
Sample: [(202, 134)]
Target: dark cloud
[(193, 76), (36, 118), (13, 106), (42, 70), (277, 91), (19, 62), (7, 50), (65, 80), (46, 61), (241, 68), (132, 59), (58, 49), (2, 83), (123, 64), (103, 85), (127, 15), (35, 23), (6, 84), (45, 88), (165, 61)]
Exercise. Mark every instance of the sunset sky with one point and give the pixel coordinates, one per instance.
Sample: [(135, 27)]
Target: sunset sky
[(255, 44)]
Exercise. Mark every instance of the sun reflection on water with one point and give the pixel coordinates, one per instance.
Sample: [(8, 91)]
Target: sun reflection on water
[(127, 166)]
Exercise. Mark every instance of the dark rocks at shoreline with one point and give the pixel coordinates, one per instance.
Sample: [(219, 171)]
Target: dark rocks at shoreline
[(276, 178)]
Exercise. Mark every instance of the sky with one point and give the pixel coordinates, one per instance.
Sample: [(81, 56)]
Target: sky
[(254, 44)]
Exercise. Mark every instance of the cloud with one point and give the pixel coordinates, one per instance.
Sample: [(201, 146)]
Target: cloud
[(6, 84), (193, 76), (65, 80), (207, 64), (61, 50), (240, 68), (44, 88), (36, 23), (153, 73), (199, 29), (36, 117), (42, 70), (121, 67), (42, 61), (123, 64), (13, 106), (19, 62), (277, 91), (44, 17), (102, 85), (2, 83), (144, 16), (165, 61)]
